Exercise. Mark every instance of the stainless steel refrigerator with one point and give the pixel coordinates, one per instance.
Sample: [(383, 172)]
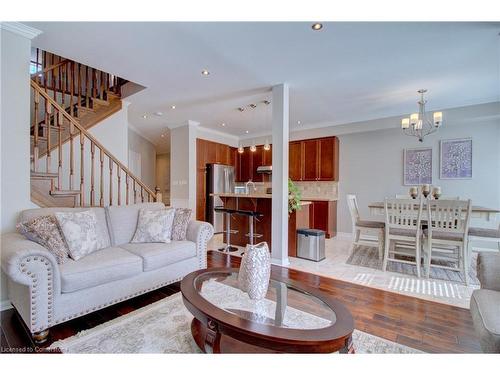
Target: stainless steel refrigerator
[(219, 179)]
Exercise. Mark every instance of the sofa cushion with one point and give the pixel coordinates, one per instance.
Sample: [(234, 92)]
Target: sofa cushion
[(485, 310), (100, 267), (154, 226), (157, 255), (102, 226), (80, 232), (122, 220)]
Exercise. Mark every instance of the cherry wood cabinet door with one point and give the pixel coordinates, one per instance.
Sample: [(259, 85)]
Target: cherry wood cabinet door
[(267, 156), (310, 158), (245, 166), (222, 153), (326, 167), (201, 153), (211, 152), (319, 215), (257, 161), (200, 194), (295, 161), (232, 157)]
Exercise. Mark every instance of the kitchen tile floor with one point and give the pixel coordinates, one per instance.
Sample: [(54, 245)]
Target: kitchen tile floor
[(335, 266)]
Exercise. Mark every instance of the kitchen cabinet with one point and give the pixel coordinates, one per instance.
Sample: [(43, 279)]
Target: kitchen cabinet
[(245, 164), (295, 161), (323, 216), (209, 152), (257, 161), (310, 160), (314, 159)]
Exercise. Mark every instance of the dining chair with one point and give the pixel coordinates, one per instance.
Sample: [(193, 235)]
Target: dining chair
[(403, 231), (446, 236), (484, 234), (364, 227)]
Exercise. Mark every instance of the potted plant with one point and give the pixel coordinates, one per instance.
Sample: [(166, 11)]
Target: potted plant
[(294, 197)]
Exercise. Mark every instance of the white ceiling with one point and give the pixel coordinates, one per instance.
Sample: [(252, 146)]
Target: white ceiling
[(346, 72)]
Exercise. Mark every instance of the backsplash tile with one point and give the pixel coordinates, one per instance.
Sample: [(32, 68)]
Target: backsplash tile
[(309, 189)]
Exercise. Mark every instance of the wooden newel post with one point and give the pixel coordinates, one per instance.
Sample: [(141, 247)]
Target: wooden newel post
[(158, 197)]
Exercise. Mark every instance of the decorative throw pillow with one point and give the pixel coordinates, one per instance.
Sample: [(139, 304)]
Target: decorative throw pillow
[(154, 225), (44, 231), (80, 232), (181, 221)]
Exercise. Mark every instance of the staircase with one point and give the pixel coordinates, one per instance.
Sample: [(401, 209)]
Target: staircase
[(69, 166)]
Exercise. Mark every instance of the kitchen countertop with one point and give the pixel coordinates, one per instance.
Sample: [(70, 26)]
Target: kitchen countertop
[(267, 196)]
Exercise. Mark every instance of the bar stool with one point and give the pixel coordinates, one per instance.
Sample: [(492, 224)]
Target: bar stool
[(227, 214), (252, 215)]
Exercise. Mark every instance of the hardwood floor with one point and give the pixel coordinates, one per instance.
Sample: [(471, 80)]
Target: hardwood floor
[(420, 324)]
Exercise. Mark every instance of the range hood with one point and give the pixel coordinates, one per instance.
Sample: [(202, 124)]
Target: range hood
[(266, 169)]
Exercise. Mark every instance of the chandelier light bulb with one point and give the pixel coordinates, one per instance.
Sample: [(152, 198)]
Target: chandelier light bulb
[(413, 119), (253, 148), (438, 119), (241, 150), (267, 146), (405, 123)]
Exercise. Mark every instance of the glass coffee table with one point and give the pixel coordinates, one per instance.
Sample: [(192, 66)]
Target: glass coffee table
[(292, 318)]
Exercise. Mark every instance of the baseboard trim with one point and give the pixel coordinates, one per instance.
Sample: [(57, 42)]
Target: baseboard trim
[(5, 305)]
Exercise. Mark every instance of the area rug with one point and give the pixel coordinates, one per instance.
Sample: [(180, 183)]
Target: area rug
[(164, 327), (366, 256)]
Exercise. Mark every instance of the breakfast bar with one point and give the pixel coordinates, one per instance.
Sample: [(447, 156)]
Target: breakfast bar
[(261, 203)]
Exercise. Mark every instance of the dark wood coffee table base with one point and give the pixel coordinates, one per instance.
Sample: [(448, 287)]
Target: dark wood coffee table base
[(212, 341)]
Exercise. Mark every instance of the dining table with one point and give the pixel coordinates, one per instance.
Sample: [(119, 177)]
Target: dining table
[(477, 212)]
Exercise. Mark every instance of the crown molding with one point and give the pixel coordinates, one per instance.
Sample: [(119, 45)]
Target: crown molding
[(20, 29), (219, 133)]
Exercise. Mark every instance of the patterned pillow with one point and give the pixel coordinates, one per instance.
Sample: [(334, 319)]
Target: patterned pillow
[(181, 221), (154, 226), (44, 231), (80, 232)]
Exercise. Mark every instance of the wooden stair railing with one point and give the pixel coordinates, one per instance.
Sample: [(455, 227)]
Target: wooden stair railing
[(74, 85), (97, 172)]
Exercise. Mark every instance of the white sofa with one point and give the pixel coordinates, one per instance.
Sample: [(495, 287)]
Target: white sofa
[(46, 294)]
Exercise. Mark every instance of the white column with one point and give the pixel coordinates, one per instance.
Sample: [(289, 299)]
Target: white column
[(183, 165), (280, 135)]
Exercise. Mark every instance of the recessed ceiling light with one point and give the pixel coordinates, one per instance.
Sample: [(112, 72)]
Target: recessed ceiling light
[(298, 122), (223, 124), (317, 26), (144, 116), (246, 131), (158, 114), (173, 107), (205, 72)]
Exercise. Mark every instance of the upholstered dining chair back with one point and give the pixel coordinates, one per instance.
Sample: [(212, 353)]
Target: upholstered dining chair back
[(403, 213)]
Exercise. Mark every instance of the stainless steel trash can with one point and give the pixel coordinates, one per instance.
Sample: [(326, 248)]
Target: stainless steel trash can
[(311, 244)]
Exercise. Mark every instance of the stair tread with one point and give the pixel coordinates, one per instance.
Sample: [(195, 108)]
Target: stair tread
[(65, 192), (44, 174)]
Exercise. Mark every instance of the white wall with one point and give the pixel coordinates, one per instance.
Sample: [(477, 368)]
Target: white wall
[(371, 165), (163, 176), (147, 150), (15, 136), (371, 157)]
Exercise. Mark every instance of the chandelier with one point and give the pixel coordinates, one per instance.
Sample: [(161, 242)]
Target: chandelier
[(418, 124)]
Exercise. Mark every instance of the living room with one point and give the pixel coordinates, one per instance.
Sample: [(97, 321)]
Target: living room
[(294, 184)]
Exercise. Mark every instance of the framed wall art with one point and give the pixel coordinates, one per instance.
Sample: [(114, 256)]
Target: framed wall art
[(455, 159), (417, 166)]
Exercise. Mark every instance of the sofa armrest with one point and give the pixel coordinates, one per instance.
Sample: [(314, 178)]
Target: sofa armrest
[(36, 280), (200, 232), (488, 270)]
